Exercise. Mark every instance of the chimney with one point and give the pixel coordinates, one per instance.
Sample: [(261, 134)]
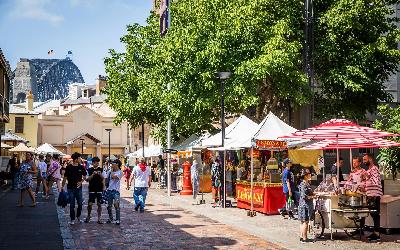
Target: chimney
[(101, 82), (29, 101)]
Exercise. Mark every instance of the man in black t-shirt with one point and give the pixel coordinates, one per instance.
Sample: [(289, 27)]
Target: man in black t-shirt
[(75, 174), (96, 188)]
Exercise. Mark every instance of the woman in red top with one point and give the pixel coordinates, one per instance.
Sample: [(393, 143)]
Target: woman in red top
[(127, 174)]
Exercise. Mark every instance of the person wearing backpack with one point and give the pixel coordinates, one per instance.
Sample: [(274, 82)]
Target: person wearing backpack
[(96, 188), (113, 191)]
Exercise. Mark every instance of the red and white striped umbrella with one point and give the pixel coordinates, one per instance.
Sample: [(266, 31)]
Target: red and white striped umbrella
[(352, 143), (338, 129)]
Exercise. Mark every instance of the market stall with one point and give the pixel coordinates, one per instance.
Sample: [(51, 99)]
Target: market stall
[(337, 206), (265, 138)]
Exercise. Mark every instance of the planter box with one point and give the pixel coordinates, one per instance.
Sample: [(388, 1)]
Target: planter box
[(391, 187)]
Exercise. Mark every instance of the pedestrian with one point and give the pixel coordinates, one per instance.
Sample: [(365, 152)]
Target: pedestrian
[(113, 195), (27, 170), (54, 174), (96, 188), (75, 174), (334, 171), (13, 167), (194, 176), (163, 174), (42, 177), (216, 174), (288, 188), (373, 189), (142, 181), (127, 175), (306, 206)]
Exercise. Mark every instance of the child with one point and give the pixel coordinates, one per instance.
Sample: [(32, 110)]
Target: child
[(127, 174)]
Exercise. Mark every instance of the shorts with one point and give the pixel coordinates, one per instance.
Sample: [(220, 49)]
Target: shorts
[(95, 195), (305, 213)]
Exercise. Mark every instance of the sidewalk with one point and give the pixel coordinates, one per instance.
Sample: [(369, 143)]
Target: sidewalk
[(160, 227), (27, 227), (274, 229)]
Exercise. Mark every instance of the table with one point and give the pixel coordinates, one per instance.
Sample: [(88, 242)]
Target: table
[(267, 197)]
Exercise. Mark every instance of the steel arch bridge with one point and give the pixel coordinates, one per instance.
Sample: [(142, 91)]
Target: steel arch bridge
[(53, 77)]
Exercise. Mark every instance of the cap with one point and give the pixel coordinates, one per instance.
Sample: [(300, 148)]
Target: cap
[(287, 161)]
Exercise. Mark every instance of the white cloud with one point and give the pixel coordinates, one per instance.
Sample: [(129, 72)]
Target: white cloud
[(35, 9)]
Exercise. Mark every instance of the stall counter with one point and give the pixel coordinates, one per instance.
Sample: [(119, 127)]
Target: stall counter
[(267, 197)]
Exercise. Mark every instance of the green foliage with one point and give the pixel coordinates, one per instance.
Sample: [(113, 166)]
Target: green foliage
[(389, 121), (261, 42), (355, 52)]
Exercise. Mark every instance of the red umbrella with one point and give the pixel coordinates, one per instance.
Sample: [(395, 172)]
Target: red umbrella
[(338, 128), (352, 143)]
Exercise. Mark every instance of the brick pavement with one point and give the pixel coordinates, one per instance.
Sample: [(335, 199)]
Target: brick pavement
[(161, 227)]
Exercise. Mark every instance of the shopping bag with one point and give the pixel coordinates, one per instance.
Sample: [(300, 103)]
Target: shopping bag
[(290, 204)]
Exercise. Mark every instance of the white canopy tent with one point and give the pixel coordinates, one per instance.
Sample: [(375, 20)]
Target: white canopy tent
[(48, 149), (21, 147), (150, 151), (237, 132)]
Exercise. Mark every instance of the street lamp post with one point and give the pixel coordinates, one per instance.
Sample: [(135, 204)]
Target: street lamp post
[(82, 140), (223, 76), (109, 144)]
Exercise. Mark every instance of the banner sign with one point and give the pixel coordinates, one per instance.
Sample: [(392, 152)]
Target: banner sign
[(243, 193), (271, 144)]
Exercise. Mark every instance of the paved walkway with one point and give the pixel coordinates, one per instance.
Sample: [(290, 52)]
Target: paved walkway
[(274, 229), (26, 227), (160, 227)]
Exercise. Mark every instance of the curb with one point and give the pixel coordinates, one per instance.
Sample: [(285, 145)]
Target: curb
[(66, 235)]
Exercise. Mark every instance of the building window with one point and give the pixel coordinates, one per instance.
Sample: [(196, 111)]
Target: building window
[(19, 124), (140, 136)]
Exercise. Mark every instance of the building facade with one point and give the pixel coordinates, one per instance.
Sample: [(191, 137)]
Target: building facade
[(5, 82), (24, 120)]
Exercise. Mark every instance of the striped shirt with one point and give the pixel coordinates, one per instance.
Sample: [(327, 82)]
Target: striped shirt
[(373, 185)]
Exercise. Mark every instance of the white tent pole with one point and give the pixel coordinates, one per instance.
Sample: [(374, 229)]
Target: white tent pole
[(351, 159), (337, 160), (251, 180)]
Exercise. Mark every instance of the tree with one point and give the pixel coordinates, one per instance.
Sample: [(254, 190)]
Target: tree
[(355, 52), (389, 120), (261, 42)]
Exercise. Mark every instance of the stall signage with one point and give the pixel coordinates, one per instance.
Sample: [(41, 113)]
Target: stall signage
[(256, 153), (271, 144), (243, 194)]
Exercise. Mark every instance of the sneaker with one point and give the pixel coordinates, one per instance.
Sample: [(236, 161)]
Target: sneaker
[(281, 212), (87, 220), (72, 222), (109, 221), (117, 222), (78, 220), (137, 207), (374, 237), (357, 232)]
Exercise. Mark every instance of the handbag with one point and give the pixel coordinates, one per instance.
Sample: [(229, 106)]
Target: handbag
[(290, 204)]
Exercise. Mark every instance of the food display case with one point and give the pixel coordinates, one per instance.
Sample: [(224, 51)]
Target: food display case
[(267, 197)]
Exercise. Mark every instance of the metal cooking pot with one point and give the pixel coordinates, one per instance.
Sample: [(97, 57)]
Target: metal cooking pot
[(355, 201)]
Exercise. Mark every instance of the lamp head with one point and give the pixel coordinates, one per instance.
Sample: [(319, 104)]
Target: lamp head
[(223, 75)]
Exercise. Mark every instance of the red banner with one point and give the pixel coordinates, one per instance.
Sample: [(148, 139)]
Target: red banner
[(243, 193), (271, 144)]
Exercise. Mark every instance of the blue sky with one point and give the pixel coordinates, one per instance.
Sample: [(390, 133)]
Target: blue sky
[(89, 28)]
